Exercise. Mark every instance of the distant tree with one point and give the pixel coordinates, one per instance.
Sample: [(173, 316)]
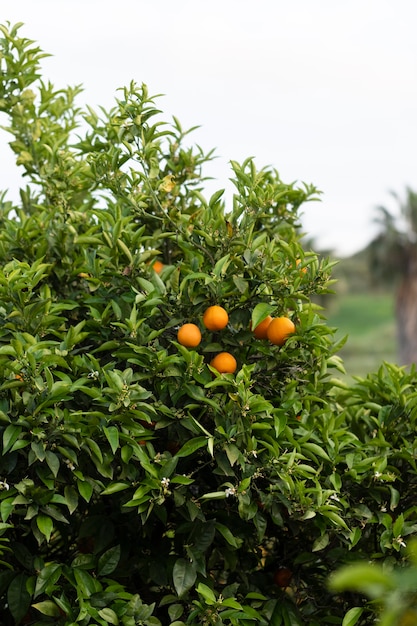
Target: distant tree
[(393, 259)]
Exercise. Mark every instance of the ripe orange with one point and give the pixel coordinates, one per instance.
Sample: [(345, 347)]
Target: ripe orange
[(158, 266), (189, 335), (282, 577), (224, 363), (261, 329), (215, 317), (279, 330)]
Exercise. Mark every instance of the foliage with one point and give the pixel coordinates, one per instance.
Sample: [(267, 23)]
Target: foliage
[(139, 485), (391, 589), (381, 413)]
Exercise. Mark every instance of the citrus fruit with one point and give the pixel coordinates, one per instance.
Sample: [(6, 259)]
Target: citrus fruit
[(189, 335), (158, 266), (215, 317), (224, 363), (279, 330), (261, 329), (282, 577)]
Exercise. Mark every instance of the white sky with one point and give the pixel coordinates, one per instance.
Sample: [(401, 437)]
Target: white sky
[(325, 91)]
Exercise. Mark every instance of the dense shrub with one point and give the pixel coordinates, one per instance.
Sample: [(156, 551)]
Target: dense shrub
[(139, 485)]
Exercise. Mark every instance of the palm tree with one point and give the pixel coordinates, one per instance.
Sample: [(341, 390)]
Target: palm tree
[(393, 259)]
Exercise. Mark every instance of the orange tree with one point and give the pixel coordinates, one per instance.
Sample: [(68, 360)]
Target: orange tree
[(138, 484)]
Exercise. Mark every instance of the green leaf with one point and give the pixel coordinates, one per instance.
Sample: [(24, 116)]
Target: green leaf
[(53, 462), (6, 507), (321, 543), (309, 446), (191, 446), (47, 607), (18, 597), (71, 498), (241, 284), (213, 495), (233, 453), (336, 519), (109, 616), (115, 488), (45, 525), (395, 497), (175, 611), (184, 575), (352, 616), (221, 266), (55, 513), (123, 247), (362, 577), (193, 276), (182, 480), (87, 585), (85, 489), (207, 593), (95, 449), (48, 576), (112, 434), (398, 526), (215, 197), (108, 561), (234, 604), (10, 435), (228, 535), (38, 450), (260, 312)]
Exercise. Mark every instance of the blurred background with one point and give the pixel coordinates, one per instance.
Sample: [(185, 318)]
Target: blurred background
[(325, 92)]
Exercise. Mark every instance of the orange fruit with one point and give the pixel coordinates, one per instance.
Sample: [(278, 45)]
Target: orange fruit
[(215, 317), (189, 335), (282, 577), (261, 329), (158, 266), (279, 330), (224, 363)]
